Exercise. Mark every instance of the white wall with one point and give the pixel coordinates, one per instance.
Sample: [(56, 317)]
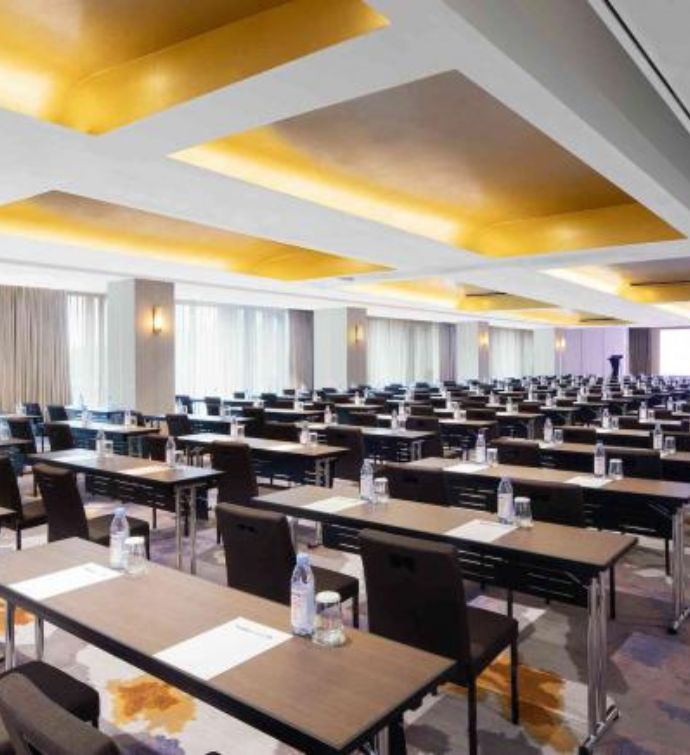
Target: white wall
[(587, 350)]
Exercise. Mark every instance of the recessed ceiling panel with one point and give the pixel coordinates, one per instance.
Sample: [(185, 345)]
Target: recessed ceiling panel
[(95, 65), (441, 158), (60, 217)]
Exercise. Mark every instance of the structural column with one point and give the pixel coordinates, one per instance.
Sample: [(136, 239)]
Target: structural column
[(141, 345), (472, 350), (340, 347), (549, 351)]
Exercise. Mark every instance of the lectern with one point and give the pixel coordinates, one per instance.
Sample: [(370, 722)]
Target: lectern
[(615, 362)]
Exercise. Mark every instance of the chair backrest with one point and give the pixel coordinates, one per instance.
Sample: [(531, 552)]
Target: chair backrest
[(56, 413), (10, 497), (212, 405), (586, 435), (269, 398), (637, 462), (186, 402), (21, 427), (281, 431), (257, 420), (178, 424), (629, 441), (259, 556), (347, 467), (239, 484), (410, 484), (363, 419), (481, 413), (153, 446), (522, 453), (59, 436), (682, 440), (555, 502), (432, 446), (37, 724), (627, 422), (62, 501), (32, 408), (415, 593), (418, 410)]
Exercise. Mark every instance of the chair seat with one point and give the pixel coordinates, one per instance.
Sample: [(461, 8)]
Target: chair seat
[(33, 513), (99, 528), (345, 585), (490, 633), (74, 696)]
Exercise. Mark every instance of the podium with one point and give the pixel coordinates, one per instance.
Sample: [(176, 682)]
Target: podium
[(615, 362)]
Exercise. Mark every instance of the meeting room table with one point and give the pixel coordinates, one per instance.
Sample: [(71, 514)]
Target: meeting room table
[(132, 476), (583, 557), (229, 649), (410, 442), (85, 434)]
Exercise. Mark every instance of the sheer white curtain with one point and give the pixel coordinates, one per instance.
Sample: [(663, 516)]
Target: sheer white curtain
[(87, 347), (402, 351), (220, 349), (511, 352)]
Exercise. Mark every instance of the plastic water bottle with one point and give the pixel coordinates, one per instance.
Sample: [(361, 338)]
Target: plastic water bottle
[(170, 451), (669, 404), (82, 403), (100, 442), (4, 430), (395, 422), (599, 460), (328, 416), (657, 438), (606, 419), (302, 604), (119, 532), (128, 418), (643, 411), (506, 509), (548, 430), (480, 448), (366, 482)]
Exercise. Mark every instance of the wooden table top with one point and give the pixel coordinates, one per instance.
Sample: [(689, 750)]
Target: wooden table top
[(217, 418), (12, 442), (265, 444), (661, 489), (582, 547), (378, 432), (679, 457), (311, 697), (107, 427), (611, 432), (125, 467)]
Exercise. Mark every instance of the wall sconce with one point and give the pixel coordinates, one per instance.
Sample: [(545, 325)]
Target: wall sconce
[(560, 344), (359, 334), (156, 320), (483, 339)]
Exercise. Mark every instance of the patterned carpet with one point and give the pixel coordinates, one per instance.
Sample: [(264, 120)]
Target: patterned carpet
[(649, 674)]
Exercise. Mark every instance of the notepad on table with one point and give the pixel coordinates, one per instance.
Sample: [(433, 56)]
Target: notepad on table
[(152, 469), (333, 504), (219, 649), (467, 467), (64, 580), (481, 530), (588, 481)]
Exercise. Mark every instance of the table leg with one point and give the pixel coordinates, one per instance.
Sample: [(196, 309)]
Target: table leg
[(680, 609), (9, 636), (178, 527), (39, 635), (192, 529), (600, 715)]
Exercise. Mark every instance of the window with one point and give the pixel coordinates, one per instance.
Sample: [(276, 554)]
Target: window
[(510, 352), (674, 351), (87, 347)]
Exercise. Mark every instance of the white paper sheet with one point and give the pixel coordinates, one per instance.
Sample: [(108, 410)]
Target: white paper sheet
[(285, 447), (152, 469), (588, 481), (467, 467), (65, 580), (333, 505), (224, 647), (481, 530)]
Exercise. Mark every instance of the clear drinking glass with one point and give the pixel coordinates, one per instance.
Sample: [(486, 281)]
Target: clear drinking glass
[(328, 621), (615, 422), (313, 439), (492, 457), (240, 431), (616, 469), (381, 492), (557, 435), (669, 444), (523, 512), (135, 556), (179, 458), (108, 449)]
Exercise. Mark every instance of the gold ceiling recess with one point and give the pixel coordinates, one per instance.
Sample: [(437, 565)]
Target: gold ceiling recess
[(67, 218), (440, 158), (96, 65)]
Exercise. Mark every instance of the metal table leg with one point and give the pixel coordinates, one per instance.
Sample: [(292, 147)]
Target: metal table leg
[(39, 635), (600, 715), (178, 527), (192, 528), (680, 609), (9, 636)]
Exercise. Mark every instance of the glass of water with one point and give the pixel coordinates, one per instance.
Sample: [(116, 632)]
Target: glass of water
[(108, 449), (313, 439), (240, 431), (381, 492), (135, 556), (328, 621), (615, 422), (616, 469), (492, 457), (557, 435), (669, 444), (179, 458), (523, 512)]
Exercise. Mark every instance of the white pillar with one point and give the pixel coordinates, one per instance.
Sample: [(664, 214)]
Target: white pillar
[(141, 362), (472, 352), (340, 347)]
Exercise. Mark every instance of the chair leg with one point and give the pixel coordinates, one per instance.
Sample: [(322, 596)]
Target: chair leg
[(147, 543), (396, 738), (472, 716), (154, 518), (612, 592), (667, 556), (355, 611), (514, 694), (18, 537), (509, 602)]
